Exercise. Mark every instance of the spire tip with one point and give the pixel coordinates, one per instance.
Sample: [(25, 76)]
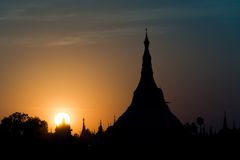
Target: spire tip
[(146, 41)]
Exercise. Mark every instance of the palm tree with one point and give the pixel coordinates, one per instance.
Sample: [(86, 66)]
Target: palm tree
[(200, 122)]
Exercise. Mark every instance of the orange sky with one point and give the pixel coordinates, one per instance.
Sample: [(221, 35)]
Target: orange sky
[(84, 57), (75, 81)]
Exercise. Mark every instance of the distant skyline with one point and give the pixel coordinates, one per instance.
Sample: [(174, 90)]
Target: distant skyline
[(84, 58)]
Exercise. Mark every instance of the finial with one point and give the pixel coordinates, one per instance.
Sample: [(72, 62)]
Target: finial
[(83, 126), (146, 41), (146, 33)]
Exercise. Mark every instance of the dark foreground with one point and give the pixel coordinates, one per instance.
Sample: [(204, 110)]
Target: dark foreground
[(187, 147)]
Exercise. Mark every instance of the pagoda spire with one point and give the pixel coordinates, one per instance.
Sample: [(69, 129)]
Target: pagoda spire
[(225, 127), (146, 41), (84, 127), (148, 117), (100, 128), (146, 80)]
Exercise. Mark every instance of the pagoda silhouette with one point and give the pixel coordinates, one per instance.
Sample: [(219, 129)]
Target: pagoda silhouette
[(148, 117)]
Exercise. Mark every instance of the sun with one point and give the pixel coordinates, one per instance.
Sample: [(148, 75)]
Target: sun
[(62, 118)]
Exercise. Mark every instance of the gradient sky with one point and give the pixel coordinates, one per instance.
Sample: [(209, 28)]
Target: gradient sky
[(84, 57)]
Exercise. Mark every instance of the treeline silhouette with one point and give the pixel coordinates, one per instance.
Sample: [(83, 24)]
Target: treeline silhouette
[(20, 132)]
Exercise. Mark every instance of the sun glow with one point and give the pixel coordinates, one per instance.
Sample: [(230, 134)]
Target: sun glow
[(62, 118)]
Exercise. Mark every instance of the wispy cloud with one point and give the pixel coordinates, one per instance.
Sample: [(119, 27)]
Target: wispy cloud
[(45, 41), (70, 41), (21, 21)]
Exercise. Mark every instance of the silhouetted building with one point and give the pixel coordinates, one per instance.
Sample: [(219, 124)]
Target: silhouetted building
[(100, 129), (85, 134), (225, 130), (148, 117), (225, 126), (63, 130)]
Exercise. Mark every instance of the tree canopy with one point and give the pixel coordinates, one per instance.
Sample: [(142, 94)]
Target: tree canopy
[(21, 124)]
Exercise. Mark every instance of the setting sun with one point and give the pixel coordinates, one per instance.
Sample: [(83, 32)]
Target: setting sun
[(62, 118)]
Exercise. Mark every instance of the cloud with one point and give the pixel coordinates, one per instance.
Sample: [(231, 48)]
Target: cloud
[(65, 41), (45, 41), (28, 18)]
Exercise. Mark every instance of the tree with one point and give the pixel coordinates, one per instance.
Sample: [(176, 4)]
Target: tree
[(13, 125), (21, 124), (36, 127)]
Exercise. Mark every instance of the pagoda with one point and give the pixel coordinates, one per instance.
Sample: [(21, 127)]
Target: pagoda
[(148, 117)]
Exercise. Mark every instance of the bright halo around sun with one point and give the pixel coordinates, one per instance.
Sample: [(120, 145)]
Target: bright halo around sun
[(62, 118)]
